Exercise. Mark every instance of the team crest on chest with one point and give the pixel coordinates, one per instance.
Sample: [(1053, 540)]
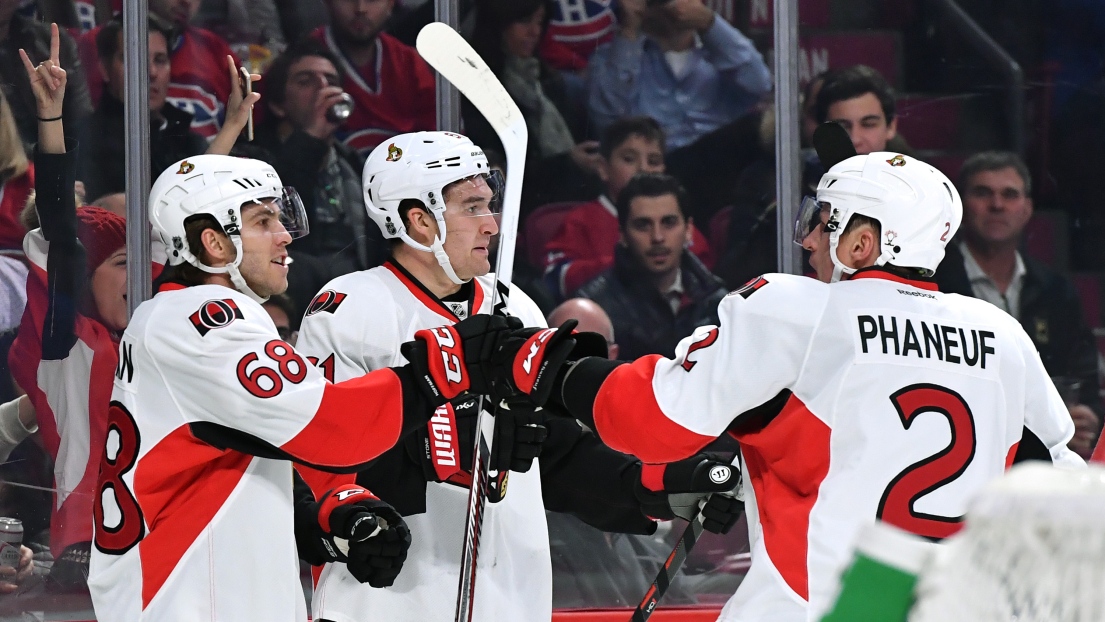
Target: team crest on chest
[(215, 314)]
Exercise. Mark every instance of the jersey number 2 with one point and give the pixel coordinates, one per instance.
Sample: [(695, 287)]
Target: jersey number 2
[(120, 526), (939, 469)]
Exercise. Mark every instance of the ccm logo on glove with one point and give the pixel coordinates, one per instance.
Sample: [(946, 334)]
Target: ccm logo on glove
[(526, 379)]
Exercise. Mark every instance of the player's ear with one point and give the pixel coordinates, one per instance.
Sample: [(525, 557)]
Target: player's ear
[(864, 247), (421, 225), (217, 247)]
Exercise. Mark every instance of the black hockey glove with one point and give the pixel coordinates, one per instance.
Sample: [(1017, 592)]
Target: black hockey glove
[(444, 447), (528, 360), (666, 491), (70, 570), (365, 533), (451, 360)]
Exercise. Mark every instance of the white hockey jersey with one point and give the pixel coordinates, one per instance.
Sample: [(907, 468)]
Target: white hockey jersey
[(358, 322), (903, 402), (188, 528)]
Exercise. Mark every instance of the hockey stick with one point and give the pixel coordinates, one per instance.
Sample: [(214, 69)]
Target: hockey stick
[(452, 57), (668, 571), (674, 562)]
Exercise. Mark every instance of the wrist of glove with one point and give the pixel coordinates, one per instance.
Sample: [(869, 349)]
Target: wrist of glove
[(365, 533), (444, 447), (528, 361), (448, 361), (680, 489)]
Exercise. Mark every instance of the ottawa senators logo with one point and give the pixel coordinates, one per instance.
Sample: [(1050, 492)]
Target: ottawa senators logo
[(215, 314), (750, 287), (394, 153), (896, 161), (185, 168), (327, 300)]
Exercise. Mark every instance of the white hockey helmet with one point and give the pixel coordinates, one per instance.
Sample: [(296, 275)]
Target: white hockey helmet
[(418, 166), (218, 186), (917, 207)]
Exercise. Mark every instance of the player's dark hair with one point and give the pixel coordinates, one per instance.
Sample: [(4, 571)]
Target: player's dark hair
[(852, 82), (858, 220), (276, 78), (650, 185), (621, 130), (107, 40), (994, 161), (185, 273)]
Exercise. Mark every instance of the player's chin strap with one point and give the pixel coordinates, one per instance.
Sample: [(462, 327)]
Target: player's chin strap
[(438, 250), (231, 269), (839, 269)]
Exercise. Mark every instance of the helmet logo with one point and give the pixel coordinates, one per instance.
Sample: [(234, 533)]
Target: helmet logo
[(394, 153), (896, 161), (185, 168), (891, 236)]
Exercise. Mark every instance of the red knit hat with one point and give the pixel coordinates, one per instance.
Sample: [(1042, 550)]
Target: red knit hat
[(101, 232)]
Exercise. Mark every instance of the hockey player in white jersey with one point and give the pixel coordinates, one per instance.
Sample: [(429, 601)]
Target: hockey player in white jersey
[(433, 195), (194, 508), (868, 396)]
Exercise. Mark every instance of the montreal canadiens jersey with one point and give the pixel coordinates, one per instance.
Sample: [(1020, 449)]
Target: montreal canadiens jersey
[(400, 98), (892, 401), (187, 527), (357, 324), (198, 82)]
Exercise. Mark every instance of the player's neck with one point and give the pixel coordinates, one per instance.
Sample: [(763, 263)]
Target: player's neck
[(219, 279), (424, 268)]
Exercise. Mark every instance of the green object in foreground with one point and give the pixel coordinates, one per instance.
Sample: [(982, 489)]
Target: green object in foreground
[(873, 592)]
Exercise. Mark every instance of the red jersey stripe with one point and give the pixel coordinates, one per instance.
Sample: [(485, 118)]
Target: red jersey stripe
[(787, 494), (200, 478), (348, 430), (628, 418)]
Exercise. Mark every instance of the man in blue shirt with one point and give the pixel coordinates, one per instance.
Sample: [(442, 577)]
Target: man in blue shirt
[(680, 63)]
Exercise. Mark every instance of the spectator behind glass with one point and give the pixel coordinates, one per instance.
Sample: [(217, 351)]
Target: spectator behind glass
[(559, 165), (392, 87), (66, 350), (20, 32), (101, 164), (985, 263), (302, 85), (197, 83), (655, 294), (591, 318), (251, 27), (17, 178), (859, 99), (585, 245), (282, 311), (679, 63)]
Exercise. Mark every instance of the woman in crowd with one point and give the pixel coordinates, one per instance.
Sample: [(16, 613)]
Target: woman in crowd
[(65, 353), (559, 165)]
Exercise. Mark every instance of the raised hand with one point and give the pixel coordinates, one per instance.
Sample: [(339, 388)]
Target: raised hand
[(48, 78), (239, 106)]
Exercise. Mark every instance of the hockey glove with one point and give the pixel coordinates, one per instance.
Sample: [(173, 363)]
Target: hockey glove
[(449, 360), (70, 570), (528, 360), (445, 447), (519, 434), (666, 491), (366, 533)]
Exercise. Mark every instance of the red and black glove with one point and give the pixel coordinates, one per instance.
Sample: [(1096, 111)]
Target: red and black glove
[(445, 447), (677, 489), (451, 360), (528, 360), (365, 533)]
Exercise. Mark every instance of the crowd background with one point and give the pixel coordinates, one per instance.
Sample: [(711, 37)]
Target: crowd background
[(649, 180)]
